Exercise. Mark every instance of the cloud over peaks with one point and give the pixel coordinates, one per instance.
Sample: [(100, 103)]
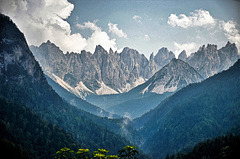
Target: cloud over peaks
[(113, 28), (197, 18), (98, 37), (42, 20), (188, 47), (230, 30)]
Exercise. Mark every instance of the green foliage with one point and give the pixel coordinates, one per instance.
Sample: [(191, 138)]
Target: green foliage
[(127, 152), (101, 153), (82, 153), (66, 153)]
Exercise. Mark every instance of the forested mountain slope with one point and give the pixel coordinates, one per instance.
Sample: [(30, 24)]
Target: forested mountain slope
[(195, 113), (37, 138)]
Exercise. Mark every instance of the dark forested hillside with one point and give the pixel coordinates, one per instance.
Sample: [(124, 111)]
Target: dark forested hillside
[(39, 139), (222, 147), (22, 81), (195, 113)]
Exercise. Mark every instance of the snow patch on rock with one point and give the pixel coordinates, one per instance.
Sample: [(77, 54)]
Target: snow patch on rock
[(80, 90), (81, 87), (104, 89), (160, 89)]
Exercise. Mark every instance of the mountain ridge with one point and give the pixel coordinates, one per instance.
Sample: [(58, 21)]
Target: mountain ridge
[(209, 60), (119, 71)]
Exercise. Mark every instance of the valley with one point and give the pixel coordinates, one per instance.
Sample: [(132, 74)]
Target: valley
[(166, 105)]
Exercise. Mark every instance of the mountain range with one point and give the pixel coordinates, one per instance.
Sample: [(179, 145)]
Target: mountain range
[(111, 73), (176, 103), (101, 72)]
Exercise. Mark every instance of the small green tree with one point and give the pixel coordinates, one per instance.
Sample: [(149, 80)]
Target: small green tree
[(128, 152), (100, 154), (82, 153), (65, 153)]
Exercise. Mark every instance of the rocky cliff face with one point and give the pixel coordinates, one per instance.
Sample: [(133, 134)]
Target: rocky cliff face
[(182, 55), (209, 60), (101, 72), (174, 76), (162, 58), (104, 72)]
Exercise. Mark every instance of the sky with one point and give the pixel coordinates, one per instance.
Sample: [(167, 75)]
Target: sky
[(144, 25)]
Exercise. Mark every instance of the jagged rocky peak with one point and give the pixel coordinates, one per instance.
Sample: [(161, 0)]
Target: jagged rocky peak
[(128, 51), (231, 46), (111, 51), (211, 47), (151, 58), (182, 55), (49, 44), (84, 54), (209, 60), (50, 48), (165, 51), (230, 50), (163, 57), (202, 48), (100, 50), (132, 57)]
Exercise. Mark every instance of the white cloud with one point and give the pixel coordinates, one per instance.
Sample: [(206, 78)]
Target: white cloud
[(89, 25), (137, 18), (113, 28), (231, 32), (197, 18), (42, 20), (188, 47), (203, 18), (146, 37), (98, 37)]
